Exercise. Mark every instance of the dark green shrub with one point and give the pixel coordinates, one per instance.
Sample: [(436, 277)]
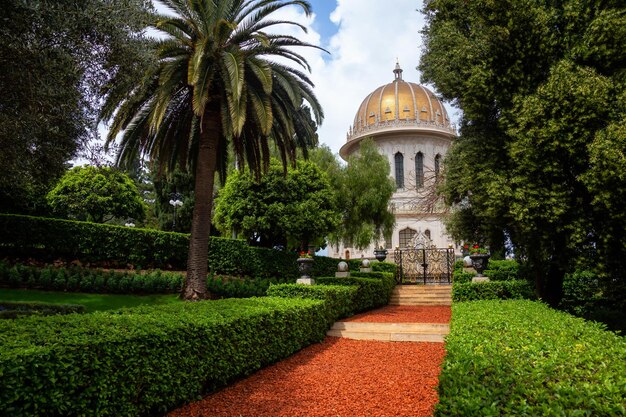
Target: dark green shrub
[(99, 282), (372, 292), (339, 299), (521, 358), (45, 278), (12, 310), (59, 281), (384, 267), (470, 291), (234, 287), (461, 277), (503, 270), (73, 280), (458, 264), (582, 293), (92, 280), (14, 277), (148, 360)]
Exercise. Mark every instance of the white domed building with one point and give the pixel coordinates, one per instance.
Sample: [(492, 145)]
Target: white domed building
[(411, 127)]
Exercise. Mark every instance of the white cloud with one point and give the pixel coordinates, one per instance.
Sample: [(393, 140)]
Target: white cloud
[(371, 35)]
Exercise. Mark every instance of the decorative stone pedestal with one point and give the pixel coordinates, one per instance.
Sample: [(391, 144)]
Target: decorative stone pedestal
[(480, 279), (342, 270), (365, 266), (305, 281)]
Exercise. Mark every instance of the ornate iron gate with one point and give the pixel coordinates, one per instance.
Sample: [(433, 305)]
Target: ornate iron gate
[(421, 262)]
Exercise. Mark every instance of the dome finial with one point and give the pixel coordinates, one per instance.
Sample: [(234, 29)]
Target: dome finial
[(398, 71)]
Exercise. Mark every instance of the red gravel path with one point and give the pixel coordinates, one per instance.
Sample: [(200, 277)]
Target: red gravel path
[(405, 314), (335, 378)]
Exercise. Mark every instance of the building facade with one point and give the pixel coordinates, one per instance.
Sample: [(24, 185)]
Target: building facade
[(411, 127)]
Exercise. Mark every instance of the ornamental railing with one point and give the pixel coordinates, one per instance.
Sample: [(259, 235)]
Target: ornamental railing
[(356, 131), (424, 265)]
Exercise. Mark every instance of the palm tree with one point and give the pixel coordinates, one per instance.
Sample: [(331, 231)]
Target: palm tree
[(218, 81)]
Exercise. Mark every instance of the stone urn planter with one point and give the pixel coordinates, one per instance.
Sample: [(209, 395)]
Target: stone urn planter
[(304, 266), (479, 262), (380, 254)]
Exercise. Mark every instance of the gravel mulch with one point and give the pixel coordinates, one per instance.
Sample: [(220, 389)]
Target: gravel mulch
[(405, 314), (336, 378)]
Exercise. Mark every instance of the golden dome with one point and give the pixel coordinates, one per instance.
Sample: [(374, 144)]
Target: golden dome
[(399, 105)]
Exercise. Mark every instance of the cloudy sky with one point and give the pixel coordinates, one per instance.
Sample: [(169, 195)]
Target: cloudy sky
[(364, 38)]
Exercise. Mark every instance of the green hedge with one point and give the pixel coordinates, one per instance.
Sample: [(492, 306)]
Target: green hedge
[(88, 280), (339, 299), (384, 267), (118, 246), (521, 358), (462, 277), (372, 292), (234, 287), (491, 290), (503, 270), (148, 360), (16, 309)]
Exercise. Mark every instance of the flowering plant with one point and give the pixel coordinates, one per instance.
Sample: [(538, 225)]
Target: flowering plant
[(477, 250), (304, 254)]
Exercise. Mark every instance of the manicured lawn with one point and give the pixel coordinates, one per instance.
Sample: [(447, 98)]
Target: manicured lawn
[(92, 302)]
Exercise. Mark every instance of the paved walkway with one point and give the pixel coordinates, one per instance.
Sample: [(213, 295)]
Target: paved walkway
[(340, 377)]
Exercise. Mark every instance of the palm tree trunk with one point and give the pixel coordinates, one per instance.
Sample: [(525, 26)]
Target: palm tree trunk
[(195, 287)]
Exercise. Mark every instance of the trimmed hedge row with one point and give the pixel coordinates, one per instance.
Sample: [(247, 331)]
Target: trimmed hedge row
[(492, 290), (521, 358), (90, 280), (234, 287), (107, 245), (147, 360), (16, 309), (372, 292), (503, 270), (50, 239), (338, 299)]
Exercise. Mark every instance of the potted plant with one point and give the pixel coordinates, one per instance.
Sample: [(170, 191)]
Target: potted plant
[(480, 258), (305, 263)]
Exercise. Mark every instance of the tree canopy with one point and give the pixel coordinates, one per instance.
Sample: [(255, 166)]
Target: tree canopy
[(539, 160), (290, 211), (363, 190), (97, 194), (58, 58), (220, 83)]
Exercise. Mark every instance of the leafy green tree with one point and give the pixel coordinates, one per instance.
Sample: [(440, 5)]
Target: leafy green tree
[(217, 83), (57, 59), (290, 211), (541, 85), (97, 195), (363, 189)]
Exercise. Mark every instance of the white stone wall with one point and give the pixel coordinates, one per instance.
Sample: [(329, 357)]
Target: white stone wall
[(409, 144)]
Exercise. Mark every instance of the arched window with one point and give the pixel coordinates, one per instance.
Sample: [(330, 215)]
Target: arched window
[(399, 162), (347, 255), (419, 170), (427, 234), (405, 236), (437, 165)]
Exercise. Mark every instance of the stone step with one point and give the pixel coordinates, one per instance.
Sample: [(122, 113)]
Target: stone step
[(422, 288), (391, 332), (422, 293), (420, 303), (425, 295)]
